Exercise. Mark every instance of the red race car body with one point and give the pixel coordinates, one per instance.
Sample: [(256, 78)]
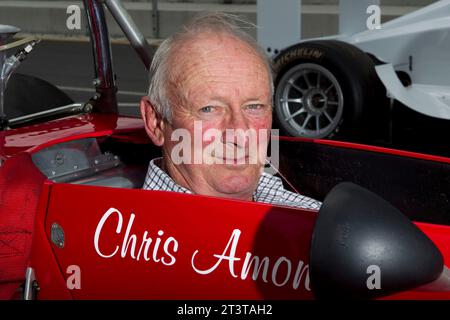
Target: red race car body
[(74, 212), (76, 224)]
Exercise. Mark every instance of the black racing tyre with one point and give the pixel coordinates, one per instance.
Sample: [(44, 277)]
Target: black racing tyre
[(27, 94), (326, 89)]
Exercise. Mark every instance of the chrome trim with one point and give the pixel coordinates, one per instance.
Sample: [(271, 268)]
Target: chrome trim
[(31, 286), (70, 109), (104, 82), (131, 31)]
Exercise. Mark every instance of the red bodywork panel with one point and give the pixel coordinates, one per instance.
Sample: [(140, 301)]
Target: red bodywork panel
[(188, 223), (197, 223), (33, 138), (21, 183)]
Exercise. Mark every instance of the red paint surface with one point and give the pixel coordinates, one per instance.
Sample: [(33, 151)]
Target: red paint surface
[(20, 187), (47, 271), (357, 146), (36, 137), (197, 222)]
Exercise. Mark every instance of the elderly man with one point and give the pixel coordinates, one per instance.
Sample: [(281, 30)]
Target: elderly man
[(213, 74)]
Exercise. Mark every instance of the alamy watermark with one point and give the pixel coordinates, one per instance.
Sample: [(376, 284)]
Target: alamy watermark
[(73, 21), (74, 277), (373, 22), (374, 280)]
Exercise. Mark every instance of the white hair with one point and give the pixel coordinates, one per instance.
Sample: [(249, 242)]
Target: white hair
[(160, 69)]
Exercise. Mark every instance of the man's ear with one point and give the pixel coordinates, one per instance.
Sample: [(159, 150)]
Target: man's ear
[(154, 124)]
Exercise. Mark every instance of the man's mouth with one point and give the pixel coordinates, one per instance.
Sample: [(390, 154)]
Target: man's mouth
[(241, 160), (235, 157)]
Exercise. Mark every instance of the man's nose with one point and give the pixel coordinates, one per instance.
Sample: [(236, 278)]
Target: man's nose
[(237, 129), (238, 121)]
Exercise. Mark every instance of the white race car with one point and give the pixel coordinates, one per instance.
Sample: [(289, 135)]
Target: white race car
[(343, 83)]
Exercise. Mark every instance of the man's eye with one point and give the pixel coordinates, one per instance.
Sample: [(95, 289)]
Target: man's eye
[(207, 109), (255, 106)]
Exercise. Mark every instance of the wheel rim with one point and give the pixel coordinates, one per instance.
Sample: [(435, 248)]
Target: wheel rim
[(309, 101)]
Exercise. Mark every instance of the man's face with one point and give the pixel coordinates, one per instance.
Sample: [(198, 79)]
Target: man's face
[(220, 83)]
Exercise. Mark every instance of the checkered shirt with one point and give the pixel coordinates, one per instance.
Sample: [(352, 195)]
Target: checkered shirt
[(269, 190)]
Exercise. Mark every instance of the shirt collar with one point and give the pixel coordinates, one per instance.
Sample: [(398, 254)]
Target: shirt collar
[(158, 179)]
